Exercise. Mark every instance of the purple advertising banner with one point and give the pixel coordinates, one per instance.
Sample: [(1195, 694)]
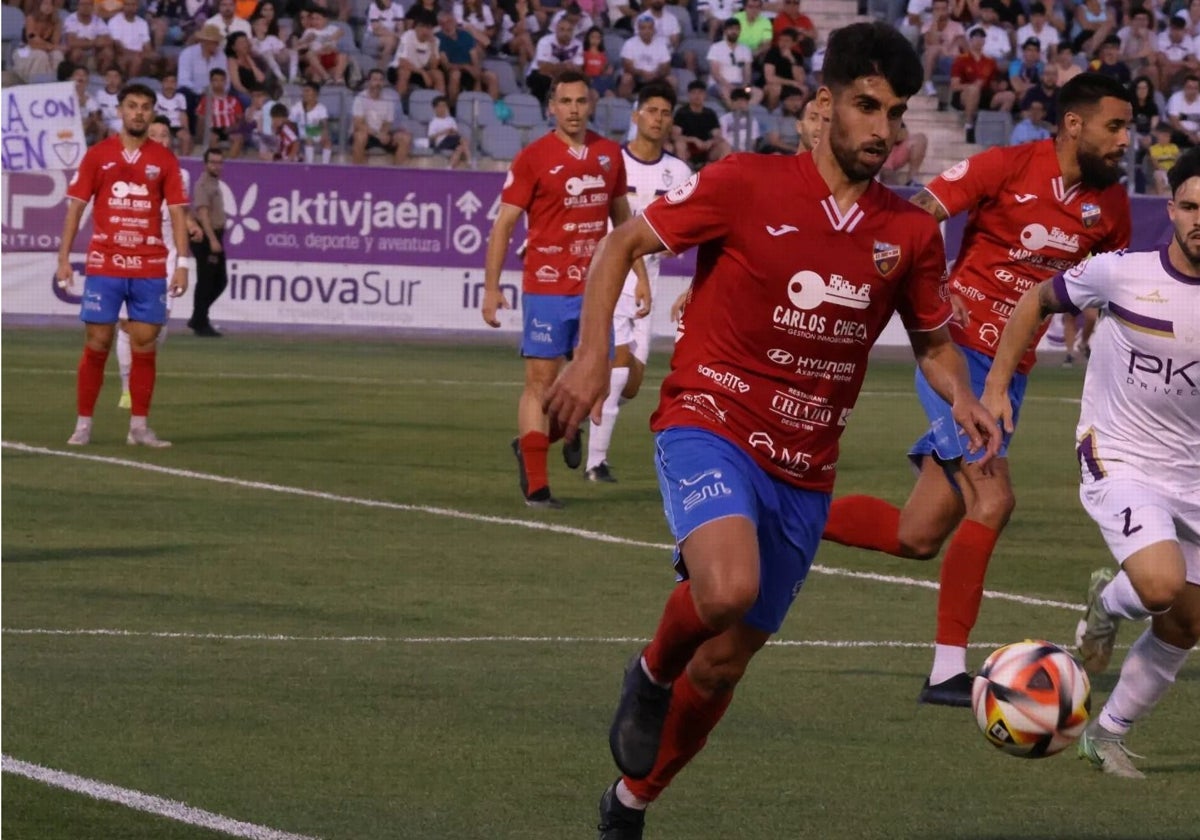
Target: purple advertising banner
[(364, 215)]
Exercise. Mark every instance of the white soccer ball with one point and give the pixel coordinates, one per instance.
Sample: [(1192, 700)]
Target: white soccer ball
[(1031, 699)]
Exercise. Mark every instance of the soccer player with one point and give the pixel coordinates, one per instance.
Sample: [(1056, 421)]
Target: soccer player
[(160, 132), (802, 261), (650, 172), (570, 183), (1034, 210), (130, 180), (1138, 444)]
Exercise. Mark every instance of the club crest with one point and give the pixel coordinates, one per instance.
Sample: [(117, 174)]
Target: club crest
[(605, 162), (1090, 214), (887, 257)]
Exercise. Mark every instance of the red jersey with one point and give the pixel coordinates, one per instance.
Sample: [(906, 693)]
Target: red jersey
[(789, 295), (287, 142), (226, 110), (1023, 228), (567, 195), (967, 68), (130, 189)]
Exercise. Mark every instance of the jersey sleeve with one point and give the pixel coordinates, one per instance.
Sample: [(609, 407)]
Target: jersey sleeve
[(1090, 283), (174, 189), (970, 181), (83, 183), (520, 183), (924, 302), (699, 209)]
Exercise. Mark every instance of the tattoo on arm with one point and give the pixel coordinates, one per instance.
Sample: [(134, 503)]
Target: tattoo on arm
[(925, 200), (1048, 301)]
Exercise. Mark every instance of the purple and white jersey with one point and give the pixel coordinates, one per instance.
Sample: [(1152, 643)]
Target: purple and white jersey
[(1140, 416), (646, 181)]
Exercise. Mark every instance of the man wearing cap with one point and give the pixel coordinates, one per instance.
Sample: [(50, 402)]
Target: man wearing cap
[(972, 83), (1026, 72), (196, 64), (1039, 27), (729, 64), (644, 59), (944, 38)]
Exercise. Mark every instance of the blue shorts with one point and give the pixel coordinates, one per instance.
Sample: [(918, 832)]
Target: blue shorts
[(145, 299), (551, 325), (704, 477), (945, 440)]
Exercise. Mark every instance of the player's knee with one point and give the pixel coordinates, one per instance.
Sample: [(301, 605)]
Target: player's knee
[(1160, 591), (920, 547), (994, 507), (723, 606)]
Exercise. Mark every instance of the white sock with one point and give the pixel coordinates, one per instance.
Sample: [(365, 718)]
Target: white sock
[(326, 155), (83, 423), (948, 661), (1119, 598), (124, 358), (601, 435), (137, 424), (625, 797), (310, 153), (1148, 671)]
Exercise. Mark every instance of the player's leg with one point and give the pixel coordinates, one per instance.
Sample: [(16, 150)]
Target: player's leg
[(147, 314), (124, 362), (599, 437), (533, 431), (101, 308)]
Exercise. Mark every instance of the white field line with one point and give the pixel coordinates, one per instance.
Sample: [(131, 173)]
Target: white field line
[(838, 644), (471, 383), (582, 533), (145, 802)]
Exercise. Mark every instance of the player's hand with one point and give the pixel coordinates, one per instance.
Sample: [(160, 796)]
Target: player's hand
[(643, 298), (65, 275), (493, 300), (980, 427), (195, 232), (678, 305), (999, 406), (179, 282), (577, 392), (960, 314)]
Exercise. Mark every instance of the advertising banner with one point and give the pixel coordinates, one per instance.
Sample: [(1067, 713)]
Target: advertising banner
[(42, 128)]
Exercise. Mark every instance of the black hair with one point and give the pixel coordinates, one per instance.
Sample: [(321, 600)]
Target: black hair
[(311, 85), (1187, 166), (872, 49), (1086, 90), (656, 90), (279, 110), (1140, 10), (1037, 8), (136, 90), (161, 119), (232, 40), (375, 71), (696, 84), (210, 151), (216, 71), (588, 34), (438, 100), (567, 77)]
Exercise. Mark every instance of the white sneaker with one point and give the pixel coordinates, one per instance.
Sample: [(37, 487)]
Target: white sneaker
[(80, 437), (146, 437), (929, 90), (1108, 753)]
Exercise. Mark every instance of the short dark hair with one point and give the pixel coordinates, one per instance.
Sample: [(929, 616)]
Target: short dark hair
[(216, 71), (313, 86), (161, 119), (438, 100), (731, 22), (872, 49), (739, 93), (656, 90), (1086, 90), (1187, 166), (1140, 10), (279, 110), (1037, 8), (567, 77), (170, 74), (696, 84), (210, 151), (790, 32), (375, 71), (423, 16), (137, 89)]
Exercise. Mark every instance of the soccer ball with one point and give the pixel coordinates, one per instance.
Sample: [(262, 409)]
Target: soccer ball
[(1031, 699)]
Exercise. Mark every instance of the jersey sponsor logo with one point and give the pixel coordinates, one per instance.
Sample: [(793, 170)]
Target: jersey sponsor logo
[(104, 167), (886, 256), (1168, 368), (957, 171), (826, 368), (705, 405), (780, 357), (130, 262), (1024, 198), (556, 169), (684, 190), (969, 292), (582, 183), (583, 247), (782, 229), (95, 258), (728, 380), (1153, 297), (128, 238), (546, 274), (808, 290), (989, 334), (1035, 237), (121, 189), (549, 249), (575, 274), (711, 488), (795, 463), (804, 411), (1089, 214)]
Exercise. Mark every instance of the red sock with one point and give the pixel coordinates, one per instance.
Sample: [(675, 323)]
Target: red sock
[(960, 591), (689, 720), (864, 522), (533, 453), (89, 380), (141, 382), (680, 632)]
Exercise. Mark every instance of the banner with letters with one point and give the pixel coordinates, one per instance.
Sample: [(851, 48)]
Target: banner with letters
[(339, 245), (42, 128)]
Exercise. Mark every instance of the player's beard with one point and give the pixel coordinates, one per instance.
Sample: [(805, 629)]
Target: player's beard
[(137, 131), (848, 157), (1190, 248), (1096, 171)]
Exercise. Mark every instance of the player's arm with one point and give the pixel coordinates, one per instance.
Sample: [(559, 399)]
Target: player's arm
[(1031, 311), (945, 368), (927, 202), (582, 382), (184, 264), (621, 213), (497, 250), (65, 274)]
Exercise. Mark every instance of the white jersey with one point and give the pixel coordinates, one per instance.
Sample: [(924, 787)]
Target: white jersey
[(1140, 416), (646, 181)]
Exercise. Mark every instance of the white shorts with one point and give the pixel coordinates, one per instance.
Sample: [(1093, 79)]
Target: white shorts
[(1133, 514), (629, 329)]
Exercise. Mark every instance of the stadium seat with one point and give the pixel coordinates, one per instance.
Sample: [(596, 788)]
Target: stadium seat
[(475, 109), (993, 128), (685, 19), (697, 45), (501, 142), (417, 129), (683, 78), (506, 76), (526, 110), (12, 30), (535, 133), (334, 100), (612, 117), (613, 41), (420, 104), (346, 43)]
